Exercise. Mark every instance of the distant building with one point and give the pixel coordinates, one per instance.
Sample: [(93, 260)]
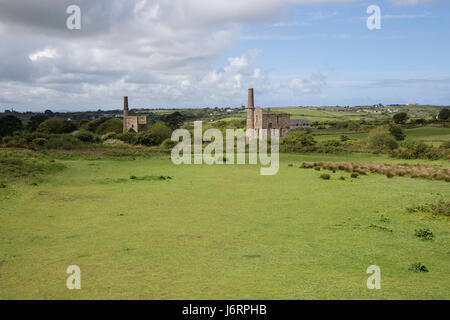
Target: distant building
[(258, 120), (131, 120), (300, 123)]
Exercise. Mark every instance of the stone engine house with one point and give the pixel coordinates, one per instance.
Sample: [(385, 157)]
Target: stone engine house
[(131, 120), (257, 120)]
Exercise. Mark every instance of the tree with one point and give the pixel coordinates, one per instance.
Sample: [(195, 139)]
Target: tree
[(55, 126), (161, 130), (48, 112), (174, 120), (397, 132), (444, 114), (111, 125), (400, 117), (35, 121), (379, 139), (9, 124)]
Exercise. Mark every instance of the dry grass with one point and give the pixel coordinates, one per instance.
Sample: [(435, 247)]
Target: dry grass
[(388, 170)]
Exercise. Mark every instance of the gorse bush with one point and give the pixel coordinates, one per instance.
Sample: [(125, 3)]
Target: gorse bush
[(381, 140), (424, 234), (411, 149), (325, 176), (418, 267), (127, 137), (148, 139), (63, 142), (440, 208), (85, 136)]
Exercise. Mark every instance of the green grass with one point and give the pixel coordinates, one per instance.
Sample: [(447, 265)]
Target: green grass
[(221, 232)]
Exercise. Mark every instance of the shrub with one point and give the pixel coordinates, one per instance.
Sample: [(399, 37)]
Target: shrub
[(109, 135), (412, 149), (424, 234), (85, 136), (400, 117), (354, 175), (161, 130), (418, 267), (94, 124), (168, 144), (110, 125), (148, 139), (57, 126), (129, 137), (64, 142), (331, 143), (441, 208), (39, 141), (397, 132), (114, 142), (381, 140), (325, 176), (342, 178)]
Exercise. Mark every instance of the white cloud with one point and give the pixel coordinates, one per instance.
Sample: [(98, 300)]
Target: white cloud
[(46, 53), (313, 85)]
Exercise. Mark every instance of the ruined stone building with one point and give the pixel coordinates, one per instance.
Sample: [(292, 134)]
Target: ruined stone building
[(257, 120), (131, 120)]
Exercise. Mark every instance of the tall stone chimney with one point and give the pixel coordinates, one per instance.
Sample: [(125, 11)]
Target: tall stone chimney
[(250, 110), (125, 112)]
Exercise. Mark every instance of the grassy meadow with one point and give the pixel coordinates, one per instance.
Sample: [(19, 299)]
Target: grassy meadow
[(221, 232)]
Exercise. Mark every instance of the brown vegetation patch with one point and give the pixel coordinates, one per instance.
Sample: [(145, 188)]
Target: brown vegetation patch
[(388, 170)]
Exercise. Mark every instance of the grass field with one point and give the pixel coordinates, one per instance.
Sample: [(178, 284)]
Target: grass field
[(220, 232)]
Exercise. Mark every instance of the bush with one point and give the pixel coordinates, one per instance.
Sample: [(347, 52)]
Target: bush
[(63, 142), (109, 135), (424, 234), (57, 126), (400, 117), (418, 267), (161, 130), (325, 176), (94, 124), (411, 149), (397, 132), (354, 175), (114, 143), (85, 136), (111, 125), (381, 140), (331, 143), (148, 139), (129, 137), (169, 144), (39, 141)]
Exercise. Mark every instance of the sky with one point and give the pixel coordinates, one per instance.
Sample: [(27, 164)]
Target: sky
[(207, 53)]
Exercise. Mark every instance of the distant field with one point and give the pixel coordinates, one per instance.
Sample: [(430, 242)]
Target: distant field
[(430, 135), (221, 232)]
